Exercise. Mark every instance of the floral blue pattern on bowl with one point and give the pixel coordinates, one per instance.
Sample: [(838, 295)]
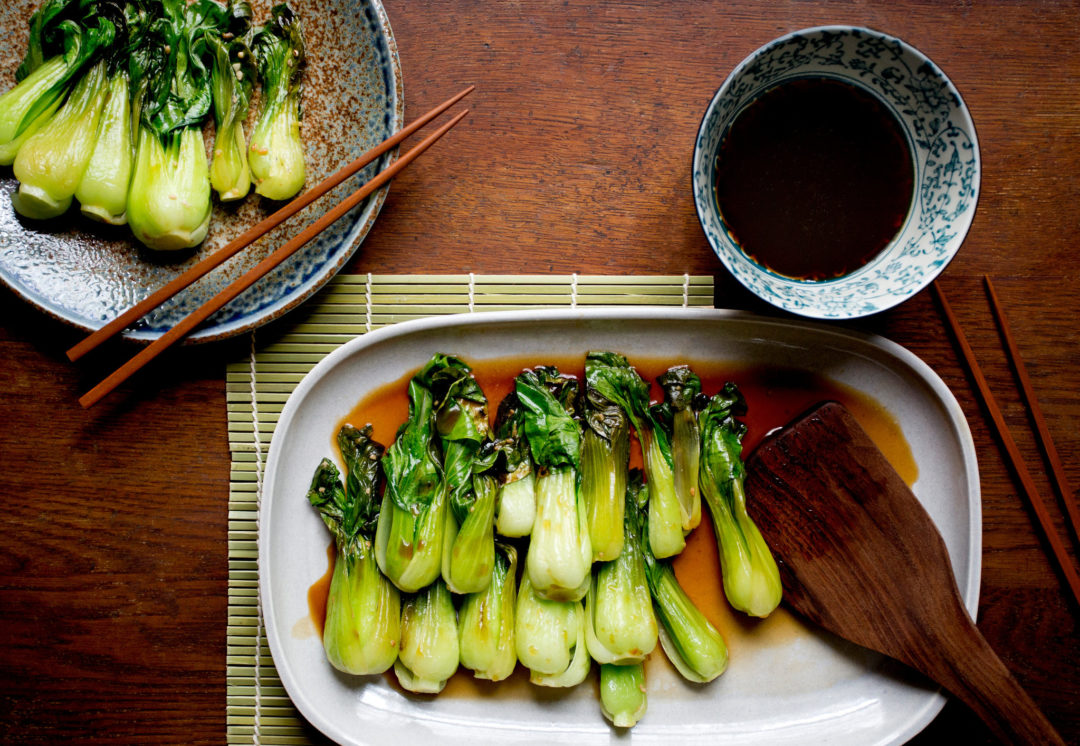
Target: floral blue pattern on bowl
[(940, 134)]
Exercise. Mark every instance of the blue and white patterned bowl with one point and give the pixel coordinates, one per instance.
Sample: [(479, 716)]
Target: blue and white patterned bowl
[(940, 134)]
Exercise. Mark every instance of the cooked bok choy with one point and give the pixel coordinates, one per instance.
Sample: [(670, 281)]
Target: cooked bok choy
[(66, 37), (363, 609), (233, 74), (169, 197), (51, 162), (276, 151), (622, 693), (486, 621), (560, 553), (409, 539), (682, 391), (615, 379), (429, 640), (461, 422), (515, 508), (550, 638), (620, 626), (751, 578), (693, 645), (605, 457)]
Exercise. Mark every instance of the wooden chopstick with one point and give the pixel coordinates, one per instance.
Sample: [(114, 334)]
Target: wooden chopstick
[(245, 281), (1032, 402), (1015, 459), (180, 282)]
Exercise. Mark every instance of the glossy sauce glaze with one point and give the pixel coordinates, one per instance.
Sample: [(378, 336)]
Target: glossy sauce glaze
[(814, 178), (774, 397)]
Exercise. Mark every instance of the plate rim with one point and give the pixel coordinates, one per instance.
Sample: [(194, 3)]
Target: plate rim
[(918, 720)]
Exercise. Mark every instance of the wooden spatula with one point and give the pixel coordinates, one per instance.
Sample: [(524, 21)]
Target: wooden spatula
[(860, 556)]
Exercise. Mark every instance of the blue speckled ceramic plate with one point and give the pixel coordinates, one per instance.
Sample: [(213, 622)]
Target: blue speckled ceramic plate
[(939, 132), (85, 274)]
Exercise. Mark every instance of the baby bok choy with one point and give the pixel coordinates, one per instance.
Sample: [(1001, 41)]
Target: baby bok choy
[(682, 391), (605, 456), (363, 608), (65, 37), (233, 74), (550, 638), (690, 641), (622, 693), (620, 626), (515, 508), (169, 197), (486, 621), (276, 152), (409, 538), (615, 379), (560, 554), (429, 640), (751, 578), (461, 422)]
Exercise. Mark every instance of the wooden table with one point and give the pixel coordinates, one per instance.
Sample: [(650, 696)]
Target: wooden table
[(575, 159)]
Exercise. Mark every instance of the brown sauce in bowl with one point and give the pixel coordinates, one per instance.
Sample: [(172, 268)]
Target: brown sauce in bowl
[(814, 178)]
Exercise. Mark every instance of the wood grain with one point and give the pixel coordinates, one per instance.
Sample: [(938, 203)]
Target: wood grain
[(575, 157)]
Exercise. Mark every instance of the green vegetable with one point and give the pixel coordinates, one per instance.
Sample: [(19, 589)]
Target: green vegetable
[(550, 638), (622, 693), (605, 455), (429, 640), (620, 626), (461, 422), (614, 379), (233, 74), (751, 578), (66, 36), (276, 150), (486, 621), (363, 609), (560, 553), (515, 508), (409, 539), (681, 389), (50, 163), (169, 198), (691, 642)]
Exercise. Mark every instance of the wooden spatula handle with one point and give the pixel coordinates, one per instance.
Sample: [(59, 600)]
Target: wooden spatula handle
[(976, 675)]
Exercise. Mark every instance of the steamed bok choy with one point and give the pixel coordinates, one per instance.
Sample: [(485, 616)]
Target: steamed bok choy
[(560, 553), (65, 38), (233, 75), (409, 538), (363, 608), (486, 621), (622, 693), (605, 456), (276, 151), (429, 640), (515, 507), (615, 379), (751, 578), (693, 645), (620, 626), (461, 422), (682, 392), (550, 638)]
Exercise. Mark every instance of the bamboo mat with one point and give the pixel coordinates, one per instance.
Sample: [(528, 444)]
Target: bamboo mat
[(258, 710)]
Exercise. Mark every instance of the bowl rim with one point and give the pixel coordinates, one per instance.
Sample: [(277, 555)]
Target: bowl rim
[(963, 117)]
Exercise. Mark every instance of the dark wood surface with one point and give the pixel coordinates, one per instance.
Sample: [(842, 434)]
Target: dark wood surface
[(576, 157)]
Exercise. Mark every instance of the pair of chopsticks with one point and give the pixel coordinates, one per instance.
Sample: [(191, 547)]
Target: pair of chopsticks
[(245, 281), (1046, 442)]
